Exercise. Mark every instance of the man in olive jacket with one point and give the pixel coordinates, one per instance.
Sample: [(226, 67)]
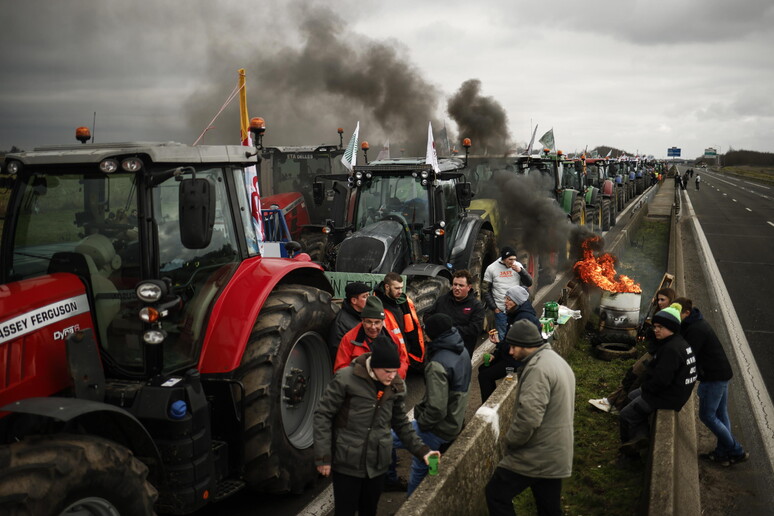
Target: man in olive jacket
[(538, 447), (441, 413), (352, 423)]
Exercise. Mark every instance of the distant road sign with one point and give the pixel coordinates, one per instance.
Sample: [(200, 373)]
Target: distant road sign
[(710, 153), (673, 152)]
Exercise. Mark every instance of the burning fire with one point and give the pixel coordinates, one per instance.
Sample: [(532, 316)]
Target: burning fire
[(600, 271)]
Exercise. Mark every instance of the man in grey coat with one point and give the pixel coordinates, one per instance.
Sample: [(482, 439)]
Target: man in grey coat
[(539, 444), (352, 438)]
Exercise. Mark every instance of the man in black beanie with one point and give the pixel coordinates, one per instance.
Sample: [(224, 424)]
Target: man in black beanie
[(441, 413), (667, 383), (374, 396), (539, 442)]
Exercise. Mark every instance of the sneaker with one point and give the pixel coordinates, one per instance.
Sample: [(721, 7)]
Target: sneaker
[(735, 459), (632, 448), (602, 404), (717, 459), (399, 484)]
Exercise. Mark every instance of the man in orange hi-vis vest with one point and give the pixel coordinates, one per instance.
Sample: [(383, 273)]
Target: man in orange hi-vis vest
[(401, 316)]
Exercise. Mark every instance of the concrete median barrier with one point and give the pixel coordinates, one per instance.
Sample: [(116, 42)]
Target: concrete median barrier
[(673, 485)]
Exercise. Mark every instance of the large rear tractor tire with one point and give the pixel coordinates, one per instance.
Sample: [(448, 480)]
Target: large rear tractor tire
[(578, 213), (73, 475), (285, 369), (314, 245), (607, 217), (423, 291), (484, 253)]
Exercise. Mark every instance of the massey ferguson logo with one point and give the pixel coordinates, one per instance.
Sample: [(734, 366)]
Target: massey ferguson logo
[(62, 334)]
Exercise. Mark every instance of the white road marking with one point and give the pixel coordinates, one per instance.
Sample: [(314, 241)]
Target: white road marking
[(748, 209), (731, 199), (770, 223)]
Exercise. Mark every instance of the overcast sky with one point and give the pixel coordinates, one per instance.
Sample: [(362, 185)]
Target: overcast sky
[(639, 75)]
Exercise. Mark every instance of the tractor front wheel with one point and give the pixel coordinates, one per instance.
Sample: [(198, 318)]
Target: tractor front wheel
[(285, 369)]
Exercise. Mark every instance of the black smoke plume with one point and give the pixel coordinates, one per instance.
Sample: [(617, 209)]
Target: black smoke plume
[(482, 119), (333, 79)]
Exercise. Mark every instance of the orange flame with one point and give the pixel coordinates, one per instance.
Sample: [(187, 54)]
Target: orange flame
[(600, 271)]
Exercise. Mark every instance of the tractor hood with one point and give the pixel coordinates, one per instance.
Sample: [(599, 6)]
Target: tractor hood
[(377, 248)]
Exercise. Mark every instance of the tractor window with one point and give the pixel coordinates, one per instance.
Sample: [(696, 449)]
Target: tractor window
[(84, 224), (451, 209), (196, 274), (402, 197)]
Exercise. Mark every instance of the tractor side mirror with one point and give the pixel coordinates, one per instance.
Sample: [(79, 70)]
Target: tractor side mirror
[(318, 193), (197, 212), (464, 194)]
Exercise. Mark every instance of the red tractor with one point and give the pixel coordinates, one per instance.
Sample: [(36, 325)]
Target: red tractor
[(150, 358)]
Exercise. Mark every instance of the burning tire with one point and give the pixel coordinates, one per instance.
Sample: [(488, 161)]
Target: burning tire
[(285, 369), (607, 217), (73, 474)]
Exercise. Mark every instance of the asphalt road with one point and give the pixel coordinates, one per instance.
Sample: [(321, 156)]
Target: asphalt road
[(737, 217)]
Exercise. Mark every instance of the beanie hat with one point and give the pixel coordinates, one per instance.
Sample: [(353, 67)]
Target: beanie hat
[(355, 289), (384, 354), (438, 324), (506, 251), (669, 317), (373, 309), (517, 294), (524, 334)]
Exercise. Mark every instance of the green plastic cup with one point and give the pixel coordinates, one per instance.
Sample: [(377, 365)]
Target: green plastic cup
[(432, 465), (487, 359)]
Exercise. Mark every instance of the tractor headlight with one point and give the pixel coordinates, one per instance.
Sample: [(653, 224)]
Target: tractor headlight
[(154, 336), (108, 166), (132, 164), (150, 291)]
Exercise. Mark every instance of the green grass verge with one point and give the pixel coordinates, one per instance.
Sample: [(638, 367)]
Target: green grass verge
[(599, 484), (762, 173)]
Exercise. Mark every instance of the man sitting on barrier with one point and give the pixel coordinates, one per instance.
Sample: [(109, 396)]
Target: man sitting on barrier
[(667, 384)]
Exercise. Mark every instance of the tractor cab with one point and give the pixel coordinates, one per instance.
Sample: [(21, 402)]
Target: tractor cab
[(401, 212)]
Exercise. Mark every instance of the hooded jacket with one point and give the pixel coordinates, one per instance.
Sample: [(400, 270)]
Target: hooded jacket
[(710, 356), (447, 386), (345, 320), (539, 441), (353, 420), (669, 378), (467, 315)]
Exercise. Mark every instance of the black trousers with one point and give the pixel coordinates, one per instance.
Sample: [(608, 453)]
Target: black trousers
[(505, 485), (356, 495), (488, 376)]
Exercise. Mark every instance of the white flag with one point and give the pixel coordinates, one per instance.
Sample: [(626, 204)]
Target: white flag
[(431, 158), (385, 152), (531, 141), (548, 139), (349, 158)]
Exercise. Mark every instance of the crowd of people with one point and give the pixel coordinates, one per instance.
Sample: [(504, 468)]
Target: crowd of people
[(378, 336)]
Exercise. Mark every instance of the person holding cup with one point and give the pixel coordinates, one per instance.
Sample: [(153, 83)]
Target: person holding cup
[(441, 412), (517, 307)]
